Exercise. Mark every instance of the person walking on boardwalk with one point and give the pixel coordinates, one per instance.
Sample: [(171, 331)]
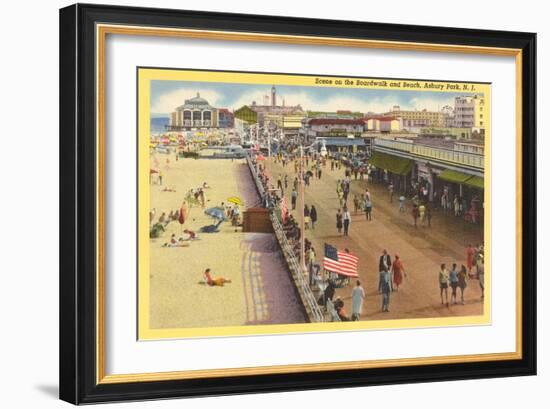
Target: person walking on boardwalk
[(355, 203), (401, 203), (429, 215), (453, 281), (367, 194), (422, 213), (368, 209), (444, 201), (470, 255), (280, 183), (462, 275), (444, 284), (293, 197), (456, 206), (357, 297), (347, 220), (313, 216), (341, 199), (307, 177), (481, 277), (414, 213), (384, 262), (385, 289), (398, 272), (339, 221)]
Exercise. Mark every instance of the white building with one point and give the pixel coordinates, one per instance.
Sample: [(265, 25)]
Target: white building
[(332, 127), (194, 113), (470, 112)]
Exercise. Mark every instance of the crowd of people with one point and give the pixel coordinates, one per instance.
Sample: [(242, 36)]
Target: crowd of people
[(392, 273)]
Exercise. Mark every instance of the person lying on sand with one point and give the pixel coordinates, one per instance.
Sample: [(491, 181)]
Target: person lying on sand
[(175, 242), (219, 281), (191, 235)]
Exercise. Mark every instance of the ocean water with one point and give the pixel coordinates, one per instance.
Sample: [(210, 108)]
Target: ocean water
[(158, 124)]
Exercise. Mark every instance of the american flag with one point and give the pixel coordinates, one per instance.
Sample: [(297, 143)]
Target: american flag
[(284, 209), (340, 262)]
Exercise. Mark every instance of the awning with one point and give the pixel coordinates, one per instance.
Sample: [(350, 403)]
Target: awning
[(454, 176), (475, 182), (462, 178), (391, 163)]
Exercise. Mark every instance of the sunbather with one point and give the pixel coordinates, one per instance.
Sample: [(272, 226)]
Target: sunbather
[(219, 281)]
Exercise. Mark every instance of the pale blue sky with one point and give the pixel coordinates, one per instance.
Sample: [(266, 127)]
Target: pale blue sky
[(167, 95)]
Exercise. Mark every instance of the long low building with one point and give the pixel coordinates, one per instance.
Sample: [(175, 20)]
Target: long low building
[(438, 165), (332, 127)]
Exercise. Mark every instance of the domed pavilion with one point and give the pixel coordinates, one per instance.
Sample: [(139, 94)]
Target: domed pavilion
[(194, 113)]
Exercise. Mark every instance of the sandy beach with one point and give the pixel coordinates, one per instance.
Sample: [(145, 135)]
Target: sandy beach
[(261, 291)]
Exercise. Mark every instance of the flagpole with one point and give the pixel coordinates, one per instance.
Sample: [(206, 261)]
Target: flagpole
[(269, 153), (302, 220)]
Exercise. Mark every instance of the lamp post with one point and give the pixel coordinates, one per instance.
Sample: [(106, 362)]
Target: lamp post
[(269, 144), (302, 207)]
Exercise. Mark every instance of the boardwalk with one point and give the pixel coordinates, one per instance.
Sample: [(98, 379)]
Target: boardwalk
[(421, 249)]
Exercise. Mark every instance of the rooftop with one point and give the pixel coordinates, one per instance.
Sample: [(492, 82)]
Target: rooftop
[(336, 121), (445, 143), (195, 102), (381, 117)]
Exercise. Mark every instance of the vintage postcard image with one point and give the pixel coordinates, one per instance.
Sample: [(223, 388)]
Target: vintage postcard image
[(283, 203)]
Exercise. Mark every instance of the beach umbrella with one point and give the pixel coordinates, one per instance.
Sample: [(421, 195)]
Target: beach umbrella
[(216, 212), (151, 173), (235, 200)]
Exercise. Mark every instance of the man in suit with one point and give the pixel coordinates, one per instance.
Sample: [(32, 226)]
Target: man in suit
[(384, 264)]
